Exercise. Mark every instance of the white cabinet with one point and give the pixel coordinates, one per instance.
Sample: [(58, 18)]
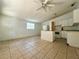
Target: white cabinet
[(70, 22), (47, 35), (68, 19), (73, 38), (76, 16), (67, 22), (64, 34), (64, 22), (58, 22)]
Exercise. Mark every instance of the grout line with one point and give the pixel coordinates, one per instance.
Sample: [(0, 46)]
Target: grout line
[(21, 55), (60, 46), (66, 51), (76, 53), (9, 49), (56, 53), (48, 52), (39, 51), (10, 53)]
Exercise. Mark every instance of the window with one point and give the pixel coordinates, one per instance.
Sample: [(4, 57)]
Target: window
[(30, 25)]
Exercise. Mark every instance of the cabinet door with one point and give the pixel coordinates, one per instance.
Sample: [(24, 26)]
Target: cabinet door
[(76, 16), (64, 34)]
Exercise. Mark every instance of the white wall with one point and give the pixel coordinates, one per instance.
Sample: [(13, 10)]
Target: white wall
[(11, 28), (0, 6)]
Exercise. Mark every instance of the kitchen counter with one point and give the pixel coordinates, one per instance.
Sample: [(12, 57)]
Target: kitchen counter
[(47, 35), (72, 30), (73, 38)]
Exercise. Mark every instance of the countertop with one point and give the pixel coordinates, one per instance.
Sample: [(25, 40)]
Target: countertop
[(72, 30)]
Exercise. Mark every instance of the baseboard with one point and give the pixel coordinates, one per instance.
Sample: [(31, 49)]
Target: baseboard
[(19, 38)]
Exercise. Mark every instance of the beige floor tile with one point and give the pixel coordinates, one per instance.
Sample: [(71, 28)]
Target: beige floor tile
[(40, 55), (27, 56), (77, 52), (5, 56), (71, 53), (34, 48)]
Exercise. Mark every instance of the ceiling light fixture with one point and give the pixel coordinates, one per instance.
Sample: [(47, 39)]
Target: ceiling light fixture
[(47, 4)]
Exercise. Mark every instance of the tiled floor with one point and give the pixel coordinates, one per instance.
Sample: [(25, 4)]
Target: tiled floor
[(34, 48)]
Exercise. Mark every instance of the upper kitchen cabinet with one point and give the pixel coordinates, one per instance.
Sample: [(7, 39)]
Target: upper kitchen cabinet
[(76, 15), (58, 22), (65, 20)]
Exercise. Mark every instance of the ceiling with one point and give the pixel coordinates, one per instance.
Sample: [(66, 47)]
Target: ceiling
[(26, 9)]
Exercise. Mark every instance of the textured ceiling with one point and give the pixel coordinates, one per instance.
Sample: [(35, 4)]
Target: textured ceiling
[(26, 9)]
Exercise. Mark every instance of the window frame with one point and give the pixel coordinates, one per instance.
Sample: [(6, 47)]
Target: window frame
[(30, 26)]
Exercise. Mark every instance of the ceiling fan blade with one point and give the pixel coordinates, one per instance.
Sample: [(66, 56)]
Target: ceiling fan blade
[(51, 5), (39, 1), (45, 1), (51, 2), (39, 8), (45, 8), (42, 1), (57, 3)]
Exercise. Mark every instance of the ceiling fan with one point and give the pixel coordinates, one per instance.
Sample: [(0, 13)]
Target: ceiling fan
[(47, 4)]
